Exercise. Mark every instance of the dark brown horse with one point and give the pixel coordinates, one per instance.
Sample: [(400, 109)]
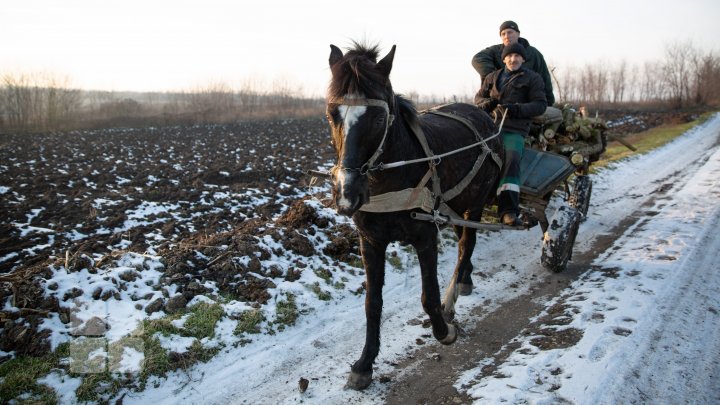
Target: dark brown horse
[(372, 127)]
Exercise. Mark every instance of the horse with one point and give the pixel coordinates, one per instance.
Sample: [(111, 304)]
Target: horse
[(372, 127)]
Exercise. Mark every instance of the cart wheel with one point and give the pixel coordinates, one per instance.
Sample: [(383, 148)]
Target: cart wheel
[(580, 195), (559, 239)]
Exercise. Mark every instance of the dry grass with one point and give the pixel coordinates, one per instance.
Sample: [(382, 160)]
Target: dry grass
[(647, 140)]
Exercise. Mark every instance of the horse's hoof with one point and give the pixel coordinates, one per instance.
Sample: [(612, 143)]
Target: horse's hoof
[(359, 381), (464, 289), (451, 336)]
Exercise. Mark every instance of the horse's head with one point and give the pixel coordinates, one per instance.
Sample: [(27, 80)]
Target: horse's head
[(360, 107)]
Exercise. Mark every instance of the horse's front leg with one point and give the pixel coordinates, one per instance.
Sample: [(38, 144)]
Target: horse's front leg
[(461, 282), (427, 255), (374, 262)]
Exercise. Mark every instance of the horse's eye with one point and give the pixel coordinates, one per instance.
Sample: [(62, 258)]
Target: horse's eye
[(332, 116), (380, 121)]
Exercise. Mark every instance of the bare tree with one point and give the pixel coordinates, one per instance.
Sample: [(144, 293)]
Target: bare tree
[(705, 78), (634, 83), (619, 82), (563, 82), (652, 88), (594, 84), (676, 70)]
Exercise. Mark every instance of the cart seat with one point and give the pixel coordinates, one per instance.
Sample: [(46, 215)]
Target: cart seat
[(541, 172)]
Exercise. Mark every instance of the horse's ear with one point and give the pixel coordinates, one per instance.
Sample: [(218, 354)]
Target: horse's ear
[(385, 65), (335, 54)]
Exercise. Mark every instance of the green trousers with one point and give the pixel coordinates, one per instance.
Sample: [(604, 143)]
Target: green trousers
[(508, 191)]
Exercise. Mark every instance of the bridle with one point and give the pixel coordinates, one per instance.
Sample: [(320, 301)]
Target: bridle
[(371, 102)]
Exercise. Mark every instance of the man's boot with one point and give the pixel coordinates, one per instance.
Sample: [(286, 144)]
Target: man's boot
[(511, 219)]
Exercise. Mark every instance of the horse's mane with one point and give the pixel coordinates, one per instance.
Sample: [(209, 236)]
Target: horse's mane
[(405, 108), (355, 73)]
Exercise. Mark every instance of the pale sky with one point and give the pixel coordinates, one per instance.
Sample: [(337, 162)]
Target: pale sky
[(165, 45)]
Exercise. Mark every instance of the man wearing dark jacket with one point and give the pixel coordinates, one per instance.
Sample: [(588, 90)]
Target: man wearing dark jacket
[(490, 59), (519, 93)]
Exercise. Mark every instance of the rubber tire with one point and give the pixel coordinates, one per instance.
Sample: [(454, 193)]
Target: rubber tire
[(559, 239), (580, 195)]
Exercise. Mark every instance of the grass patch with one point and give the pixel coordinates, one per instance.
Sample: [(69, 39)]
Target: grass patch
[(646, 141), (356, 262), (321, 294), (200, 353), (163, 326), (98, 363), (286, 312), (394, 261), (19, 376), (249, 322), (324, 274), (202, 320), (98, 386), (156, 362)]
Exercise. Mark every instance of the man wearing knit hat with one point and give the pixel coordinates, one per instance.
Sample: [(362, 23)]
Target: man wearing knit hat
[(518, 94), (490, 59)]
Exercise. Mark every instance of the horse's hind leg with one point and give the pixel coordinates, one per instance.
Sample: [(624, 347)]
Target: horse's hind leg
[(374, 262), (428, 254), (464, 267)]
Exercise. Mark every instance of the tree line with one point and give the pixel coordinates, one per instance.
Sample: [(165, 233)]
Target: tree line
[(33, 102), (685, 77)]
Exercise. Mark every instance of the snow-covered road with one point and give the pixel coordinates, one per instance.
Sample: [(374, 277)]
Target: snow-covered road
[(649, 314)]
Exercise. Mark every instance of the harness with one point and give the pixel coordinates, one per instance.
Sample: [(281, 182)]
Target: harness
[(420, 196)]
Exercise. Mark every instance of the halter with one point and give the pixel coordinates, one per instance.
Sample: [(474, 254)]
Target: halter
[(372, 102)]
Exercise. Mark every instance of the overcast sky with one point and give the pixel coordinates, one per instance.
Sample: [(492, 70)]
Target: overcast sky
[(170, 45)]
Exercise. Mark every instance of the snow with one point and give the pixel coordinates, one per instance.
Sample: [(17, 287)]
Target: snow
[(62, 384), (650, 334), (647, 312), (120, 315)]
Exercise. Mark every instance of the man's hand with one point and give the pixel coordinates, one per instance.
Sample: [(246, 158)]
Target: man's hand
[(489, 106), (512, 109)]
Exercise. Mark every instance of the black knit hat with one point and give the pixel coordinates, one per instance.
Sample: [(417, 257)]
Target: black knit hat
[(509, 24), (514, 48)]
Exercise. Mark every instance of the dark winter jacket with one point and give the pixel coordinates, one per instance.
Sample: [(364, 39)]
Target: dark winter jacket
[(523, 88), (490, 59)]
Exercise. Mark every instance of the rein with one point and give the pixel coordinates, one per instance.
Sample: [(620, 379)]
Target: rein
[(437, 158)]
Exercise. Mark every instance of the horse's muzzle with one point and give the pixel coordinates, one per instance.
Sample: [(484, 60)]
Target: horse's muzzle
[(350, 192)]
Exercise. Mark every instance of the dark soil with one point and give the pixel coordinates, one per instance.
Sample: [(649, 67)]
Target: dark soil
[(630, 122), (69, 199)]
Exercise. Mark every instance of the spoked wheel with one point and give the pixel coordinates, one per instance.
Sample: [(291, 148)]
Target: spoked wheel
[(580, 195), (559, 238)]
